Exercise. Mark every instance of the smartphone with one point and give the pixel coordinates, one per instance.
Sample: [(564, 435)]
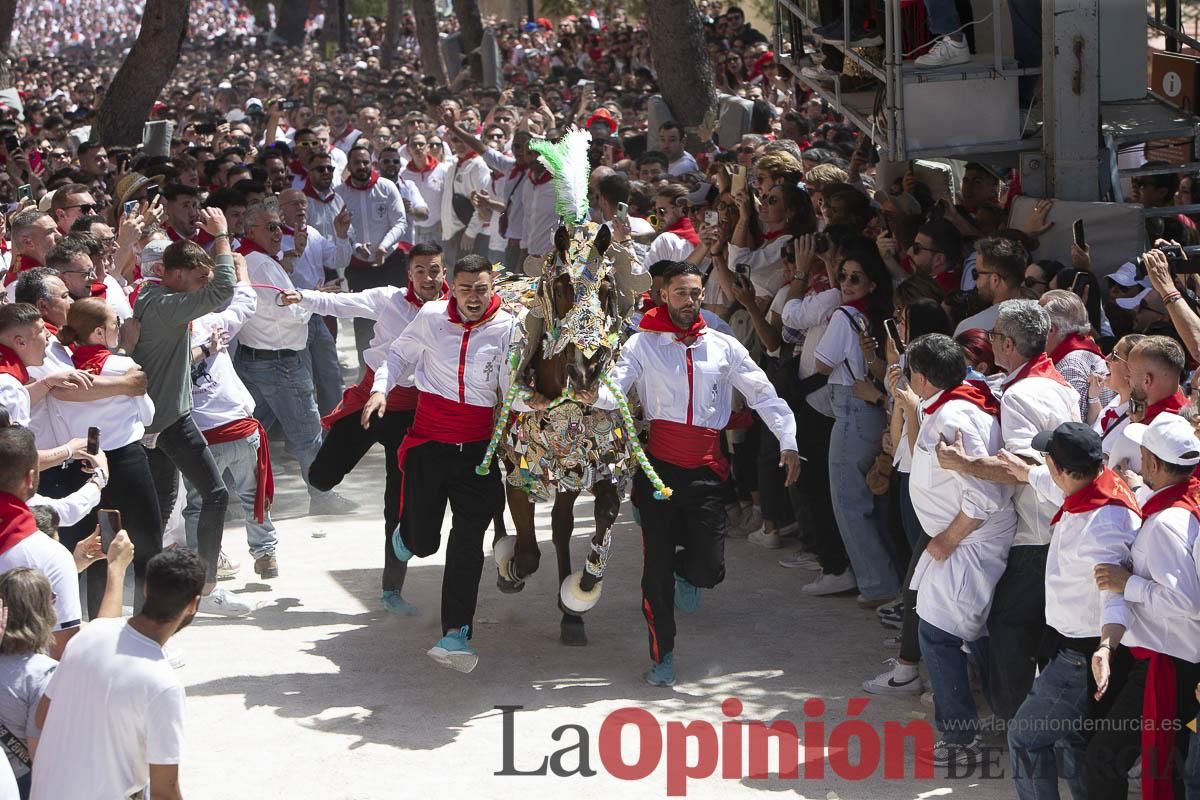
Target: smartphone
[(1079, 283), (206, 128), (12, 143), (289, 105), (623, 212), (535, 99), (1077, 232), (130, 208), (93, 440), (893, 333), (711, 217), (110, 526), (737, 182), (24, 192), (742, 270)]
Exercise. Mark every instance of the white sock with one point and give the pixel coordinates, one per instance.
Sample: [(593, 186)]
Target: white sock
[(903, 673)]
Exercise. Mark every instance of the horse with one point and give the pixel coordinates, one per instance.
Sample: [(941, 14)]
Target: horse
[(569, 338)]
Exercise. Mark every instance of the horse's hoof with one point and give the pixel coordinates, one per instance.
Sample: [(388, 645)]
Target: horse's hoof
[(504, 549), (574, 599), (571, 631), (506, 586)]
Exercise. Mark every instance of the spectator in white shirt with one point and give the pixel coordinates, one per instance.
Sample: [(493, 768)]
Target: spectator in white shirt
[(114, 288), (670, 140), (999, 275), (428, 174), (1070, 346), (677, 238)]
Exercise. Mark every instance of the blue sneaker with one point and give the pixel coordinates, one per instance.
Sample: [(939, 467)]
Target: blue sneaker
[(662, 673), (396, 604), (398, 547), (453, 651), (687, 597)]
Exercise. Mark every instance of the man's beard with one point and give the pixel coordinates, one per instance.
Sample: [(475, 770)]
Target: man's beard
[(185, 622), (682, 317)]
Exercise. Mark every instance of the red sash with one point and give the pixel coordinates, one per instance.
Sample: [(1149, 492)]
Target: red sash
[(400, 398), (11, 364), (264, 489), (1040, 366), (16, 522), (687, 446), (1074, 342), (684, 230), (1168, 405), (90, 357), (977, 393), (440, 420), (1106, 490), (1158, 735)]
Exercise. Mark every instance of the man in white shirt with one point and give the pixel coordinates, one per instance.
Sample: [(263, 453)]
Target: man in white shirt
[(685, 375), (23, 342), (999, 274), (461, 224), (324, 205), (455, 352), (670, 141), (1070, 346), (538, 201), (1157, 622), (1095, 524), (970, 522), (114, 290), (428, 174), (116, 686), (269, 354), (1035, 398)]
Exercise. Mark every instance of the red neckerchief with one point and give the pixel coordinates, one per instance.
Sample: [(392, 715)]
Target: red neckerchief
[(311, 191), (430, 164), (1072, 343), (133, 296), (297, 168), (90, 357), (488, 313), (647, 303), (11, 364), (50, 326), (345, 133), (1040, 366), (516, 171), (99, 289), (1106, 421), (859, 305), (16, 522), (464, 159), (414, 298), (287, 231), (23, 263), (1106, 490), (202, 237), (977, 393), (773, 235), (658, 320), (1168, 405), (684, 229), (545, 178), (1180, 495), (249, 246), (370, 182)]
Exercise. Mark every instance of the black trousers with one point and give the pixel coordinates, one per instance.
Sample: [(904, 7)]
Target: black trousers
[(393, 272), (434, 474), (182, 448), (1015, 625), (344, 446), (910, 646), (773, 494), (1116, 746), (682, 535), (817, 523)]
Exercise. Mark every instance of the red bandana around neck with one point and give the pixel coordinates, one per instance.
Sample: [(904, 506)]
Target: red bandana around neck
[(11, 364), (1168, 405), (1040, 366), (288, 231), (16, 522), (1180, 495), (543, 179), (371, 181), (516, 170), (430, 164), (414, 298), (90, 357), (684, 230), (22, 264), (859, 305), (658, 320), (99, 289), (1076, 341), (977, 393), (464, 159), (771, 236), (249, 246), (647, 304), (1107, 490), (489, 312), (311, 191), (297, 168)]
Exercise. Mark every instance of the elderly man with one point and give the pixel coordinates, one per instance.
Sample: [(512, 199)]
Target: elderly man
[(1070, 346)]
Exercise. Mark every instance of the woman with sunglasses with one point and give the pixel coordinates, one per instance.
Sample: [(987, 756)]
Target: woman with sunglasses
[(786, 212), (677, 236), (866, 294), (1109, 420)]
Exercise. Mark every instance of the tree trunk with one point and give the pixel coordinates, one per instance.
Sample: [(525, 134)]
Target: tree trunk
[(425, 13), (470, 26), (391, 34), (332, 33), (289, 25), (681, 63), (8, 13), (146, 70)]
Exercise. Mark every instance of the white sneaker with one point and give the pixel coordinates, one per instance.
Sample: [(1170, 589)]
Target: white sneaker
[(226, 568), (765, 538), (223, 604), (800, 560), (945, 53), (900, 679), (831, 584)]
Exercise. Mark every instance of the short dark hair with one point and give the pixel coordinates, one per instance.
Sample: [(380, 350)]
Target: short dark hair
[(173, 191), (425, 249), (676, 268), (88, 147), (472, 265), (59, 200), (614, 188), (84, 223), (17, 315), (174, 578), (225, 198), (47, 519), (945, 238), (938, 358), (185, 255), (1007, 255), (32, 286), (671, 125), (1163, 349), (67, 248), (18, 454), (654, 157)]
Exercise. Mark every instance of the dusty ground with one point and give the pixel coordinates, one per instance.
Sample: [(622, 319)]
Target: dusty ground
[(322, 694)]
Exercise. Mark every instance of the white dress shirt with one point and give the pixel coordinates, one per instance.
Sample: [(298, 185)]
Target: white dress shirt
[(48, 419), (541, 216), (840, 347), (388, 306), (378, 216), (218, 394), (766, 265), (118, 301), (15, 397), (430, 184), (273, 327), (415, 201), (322, 211), (1028, 407), (810, 316), (122, 419), (320, 253), (955, 595), (656, 364), (75, 506), (462, 179)]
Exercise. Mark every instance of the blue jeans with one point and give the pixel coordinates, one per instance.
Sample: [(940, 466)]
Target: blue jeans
[(238, 464), (943, 16), (1051, 718), (282, 389), (322, 360), (861, 516), (953, 704)]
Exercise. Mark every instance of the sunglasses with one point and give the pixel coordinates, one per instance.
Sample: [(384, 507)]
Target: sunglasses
[(745, 150), (435, 143), (86, 208), (1114, 357), (412, 145), (308, 143), (919, 248), (1029, 283), (325, 168), (853, 278), (273, 227)]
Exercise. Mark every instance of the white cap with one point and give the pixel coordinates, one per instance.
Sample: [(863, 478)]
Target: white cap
[(1126, 275), (1170, 437), (1131, 303)]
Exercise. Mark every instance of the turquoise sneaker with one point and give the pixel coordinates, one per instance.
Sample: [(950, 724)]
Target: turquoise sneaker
[(396, 604), (398, 547), (687, 597), (662, 673), (453, 651)]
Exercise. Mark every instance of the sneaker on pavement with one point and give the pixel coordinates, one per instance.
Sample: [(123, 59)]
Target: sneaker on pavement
[(946, 52), (662, 673), (829, 583), (398, 547), (900, 679), (800, 560), (687, 596), (331, 504), (946, 753), (396, 604), (266, 566), (453, 651), (891, 615), (765, 538), (223, 604), (226, 568)]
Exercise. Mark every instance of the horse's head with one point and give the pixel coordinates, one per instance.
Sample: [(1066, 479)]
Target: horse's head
[(584, 308)]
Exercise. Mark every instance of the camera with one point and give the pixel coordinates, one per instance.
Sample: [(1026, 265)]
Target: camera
[(820, 243), (1179, 259)]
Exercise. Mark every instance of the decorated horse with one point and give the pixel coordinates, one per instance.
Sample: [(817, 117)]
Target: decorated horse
[(556, 446)]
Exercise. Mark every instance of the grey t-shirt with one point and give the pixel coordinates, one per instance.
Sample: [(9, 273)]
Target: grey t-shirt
[(23, 678)]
